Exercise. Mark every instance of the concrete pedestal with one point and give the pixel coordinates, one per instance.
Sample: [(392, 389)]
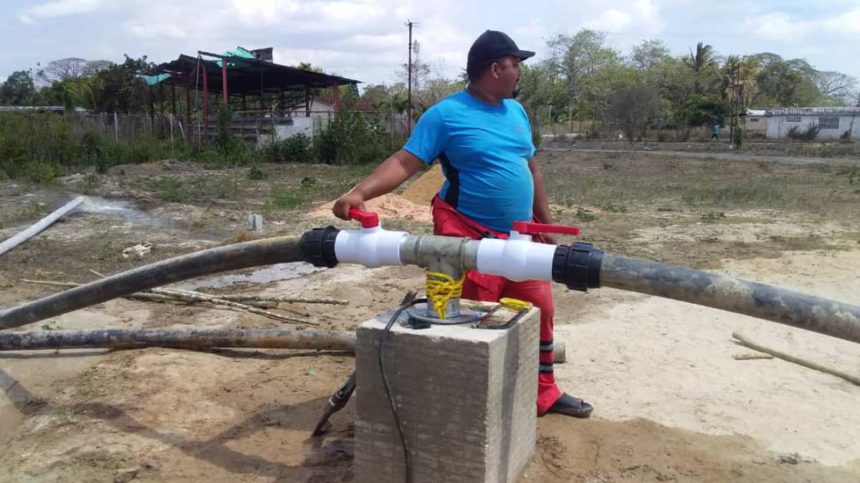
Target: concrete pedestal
[(466, 399)]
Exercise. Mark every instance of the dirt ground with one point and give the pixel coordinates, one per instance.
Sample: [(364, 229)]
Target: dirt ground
[(672, 402)]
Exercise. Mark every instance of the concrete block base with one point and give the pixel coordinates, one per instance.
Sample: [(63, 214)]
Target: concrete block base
[(465, 397)]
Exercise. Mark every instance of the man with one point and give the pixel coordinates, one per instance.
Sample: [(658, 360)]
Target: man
[(482, 138)]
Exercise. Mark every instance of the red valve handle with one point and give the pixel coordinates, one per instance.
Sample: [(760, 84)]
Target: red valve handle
[(529, 228), (368, 219)]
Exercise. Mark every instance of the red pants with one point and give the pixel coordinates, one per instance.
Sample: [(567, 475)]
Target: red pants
[(490, 288)]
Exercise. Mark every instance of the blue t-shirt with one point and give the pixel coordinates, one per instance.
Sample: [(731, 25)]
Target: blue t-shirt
[(484, 152)]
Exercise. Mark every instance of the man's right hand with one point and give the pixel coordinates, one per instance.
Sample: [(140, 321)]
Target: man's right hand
[(385, 178), (345, 203)]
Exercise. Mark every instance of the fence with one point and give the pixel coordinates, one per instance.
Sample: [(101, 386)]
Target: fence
[(254, 127)]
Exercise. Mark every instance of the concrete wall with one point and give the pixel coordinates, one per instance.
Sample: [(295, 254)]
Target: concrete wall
[(297, 125), (779, 126), (466, 398), (756, 124)]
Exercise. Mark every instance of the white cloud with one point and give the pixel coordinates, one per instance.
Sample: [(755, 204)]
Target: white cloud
[(776, 26), (612, 20), (779, 26), (629, 21), (366, 39), (848, 22), (61, 8)]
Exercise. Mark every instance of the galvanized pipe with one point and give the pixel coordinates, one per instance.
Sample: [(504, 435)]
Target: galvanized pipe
[(450, 255), (186, 338), (799, 310), (205, 262)]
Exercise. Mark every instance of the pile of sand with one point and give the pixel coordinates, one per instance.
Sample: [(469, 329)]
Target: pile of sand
[(423, 189), (386, 206)]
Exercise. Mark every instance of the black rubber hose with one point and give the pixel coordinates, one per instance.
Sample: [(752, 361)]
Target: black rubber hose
[(799, 310), (180, 337), (221, 259)]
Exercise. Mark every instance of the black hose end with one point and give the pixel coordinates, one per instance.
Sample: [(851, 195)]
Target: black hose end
[(318, 246), (577, 266)]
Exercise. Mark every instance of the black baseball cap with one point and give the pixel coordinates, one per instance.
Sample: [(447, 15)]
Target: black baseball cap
[(492, 45)]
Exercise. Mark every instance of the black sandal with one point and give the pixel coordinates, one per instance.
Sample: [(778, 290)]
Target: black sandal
[(571, 406)]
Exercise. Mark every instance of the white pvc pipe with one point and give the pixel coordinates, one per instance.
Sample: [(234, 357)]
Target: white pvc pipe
[(39, 226), (371, 247)]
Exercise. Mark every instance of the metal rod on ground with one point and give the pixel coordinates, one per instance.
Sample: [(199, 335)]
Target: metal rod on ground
[(187, 338), (745, 341), (36, 228), (220, 259)]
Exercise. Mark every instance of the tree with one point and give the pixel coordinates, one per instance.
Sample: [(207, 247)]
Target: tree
[(701, 110), (703, 65), (420, 70), (377, 95), (86, 92), (120, 86), (785, 83), (577, 60), (71, 68), (308, 66), (541, 88), (55, 94), (633, 105), (649, 55), (835, 86), (18, 90)]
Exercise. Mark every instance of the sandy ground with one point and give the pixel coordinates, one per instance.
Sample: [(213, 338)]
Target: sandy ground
[(639, 357), (672, 404)]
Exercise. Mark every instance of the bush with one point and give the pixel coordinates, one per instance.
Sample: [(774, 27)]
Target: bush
[(809, 134), (353, 138), (295, 149), (41, 146), (40, 172), (257, 173)]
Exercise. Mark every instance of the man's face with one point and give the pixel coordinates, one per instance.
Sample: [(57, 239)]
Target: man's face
[(508, 75)]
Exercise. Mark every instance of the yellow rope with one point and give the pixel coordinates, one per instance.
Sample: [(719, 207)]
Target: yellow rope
[(441, 287)]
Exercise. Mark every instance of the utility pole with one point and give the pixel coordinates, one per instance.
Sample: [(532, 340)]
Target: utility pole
[(734, 124), (409, 24)]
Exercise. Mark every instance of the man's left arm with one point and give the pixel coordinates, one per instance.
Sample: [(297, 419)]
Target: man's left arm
[(540, 207)]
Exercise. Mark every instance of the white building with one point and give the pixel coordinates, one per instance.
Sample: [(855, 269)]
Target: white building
[(832, 122), (756, 122)]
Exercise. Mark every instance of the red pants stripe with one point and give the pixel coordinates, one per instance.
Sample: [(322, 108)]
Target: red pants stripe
[(490, 288)]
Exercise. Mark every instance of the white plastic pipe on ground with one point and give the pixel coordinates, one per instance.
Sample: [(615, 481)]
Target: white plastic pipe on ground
[(41, 225)]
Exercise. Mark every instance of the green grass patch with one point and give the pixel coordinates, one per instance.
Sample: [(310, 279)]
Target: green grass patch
[(749, 192), (169, 189), (287, 199)]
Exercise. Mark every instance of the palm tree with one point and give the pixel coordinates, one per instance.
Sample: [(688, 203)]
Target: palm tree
[(701, 62)]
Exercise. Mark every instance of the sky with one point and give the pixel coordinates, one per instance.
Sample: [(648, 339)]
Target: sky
[(367, 39)]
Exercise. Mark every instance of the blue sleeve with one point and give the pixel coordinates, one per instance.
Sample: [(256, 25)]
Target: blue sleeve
[(429, 138)]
